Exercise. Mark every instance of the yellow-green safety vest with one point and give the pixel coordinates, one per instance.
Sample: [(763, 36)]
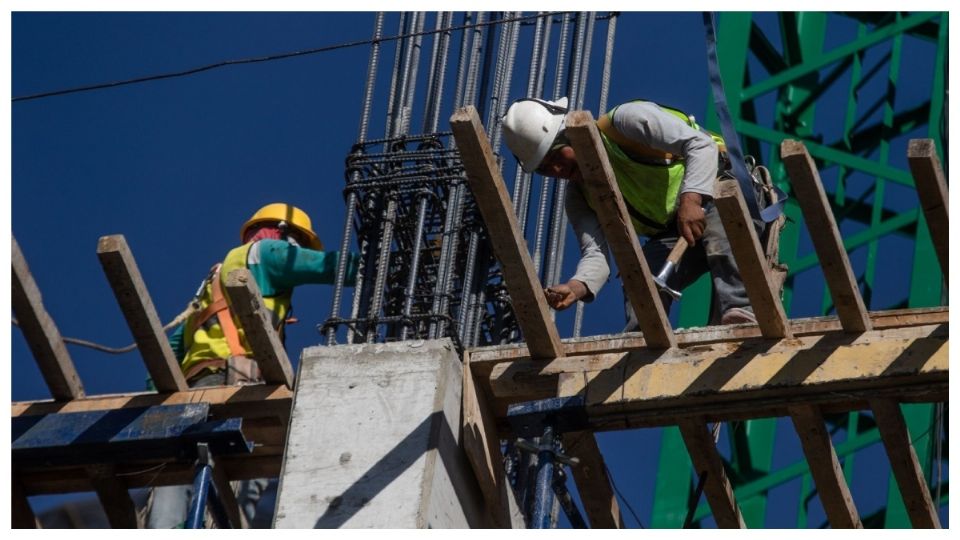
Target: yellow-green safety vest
[(206, 341), (649, 190)]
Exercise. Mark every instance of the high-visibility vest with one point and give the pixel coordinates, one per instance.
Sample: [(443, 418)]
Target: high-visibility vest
[(649, 187), (204, 336)]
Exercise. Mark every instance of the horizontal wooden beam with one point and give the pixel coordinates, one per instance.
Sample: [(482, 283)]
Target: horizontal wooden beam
[(248, 402), (825, 467), (124, 276), (264, 463), (41, 332), (904, 464), (258, 329), (485, 358), (755, 378), (806, 184), (934, 198), (490, 192), (601, 184), (763, 292)]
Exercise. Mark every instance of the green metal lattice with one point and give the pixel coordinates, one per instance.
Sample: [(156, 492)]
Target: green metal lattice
[(780, 70)]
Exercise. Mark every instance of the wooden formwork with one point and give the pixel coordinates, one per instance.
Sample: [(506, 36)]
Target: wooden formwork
[(799, 369), (263, 408)]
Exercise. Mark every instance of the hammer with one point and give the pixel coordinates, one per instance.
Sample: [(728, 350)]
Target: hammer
[(668, 267)]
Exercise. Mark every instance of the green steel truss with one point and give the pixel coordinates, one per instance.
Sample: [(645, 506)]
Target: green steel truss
[(877, 79)]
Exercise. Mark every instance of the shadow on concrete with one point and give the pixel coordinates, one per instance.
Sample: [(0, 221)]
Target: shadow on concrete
[(434, 433)]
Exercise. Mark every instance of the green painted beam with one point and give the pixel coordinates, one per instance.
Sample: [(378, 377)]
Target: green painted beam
[(828, 154), (854, 241), (672, 488), (795, 72)]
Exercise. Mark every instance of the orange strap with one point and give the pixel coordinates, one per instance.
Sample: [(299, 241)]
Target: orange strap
[(223, 316), (215, 364)]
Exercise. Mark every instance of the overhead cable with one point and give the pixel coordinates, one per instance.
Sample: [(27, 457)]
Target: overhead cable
[(270, 58)]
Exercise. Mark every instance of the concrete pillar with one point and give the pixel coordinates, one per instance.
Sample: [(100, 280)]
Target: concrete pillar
[(373, 440)]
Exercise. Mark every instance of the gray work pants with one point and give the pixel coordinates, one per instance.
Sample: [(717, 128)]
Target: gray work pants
[(168, 505), (711, 254)]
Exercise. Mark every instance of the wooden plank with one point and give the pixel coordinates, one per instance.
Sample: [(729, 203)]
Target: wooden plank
[(825, 467), (934, 198), (806, 184), (264, 463), (485, 358), (41, 332), (482, 446), (903, 461), (21, 514), (509, 246), (593, 482), (599, 181), (228, 498), (745, 245), (255, 320), (756, 374), (124, 276), (706, 460), (114, 497)]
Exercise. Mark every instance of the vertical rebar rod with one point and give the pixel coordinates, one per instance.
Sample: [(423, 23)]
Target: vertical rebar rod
[(521, 179), (407, 77), (464, 59), (414, 264), (383, 268), (545, 198), (392, 104), (495, 127), (468, 297), (351, 202), (438, 73), (473, 68), (607, 64), (411, 88), (525, 201), (448, 249)]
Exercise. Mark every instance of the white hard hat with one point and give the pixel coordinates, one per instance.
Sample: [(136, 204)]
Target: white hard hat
[(530, 127)]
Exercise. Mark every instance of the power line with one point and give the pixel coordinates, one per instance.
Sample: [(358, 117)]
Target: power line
[(270, 58)]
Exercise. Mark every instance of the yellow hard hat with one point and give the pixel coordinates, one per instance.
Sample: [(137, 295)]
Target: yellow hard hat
[(294, 217)]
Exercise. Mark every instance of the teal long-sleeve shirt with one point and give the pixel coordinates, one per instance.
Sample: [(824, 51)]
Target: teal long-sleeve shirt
[(279, 266)]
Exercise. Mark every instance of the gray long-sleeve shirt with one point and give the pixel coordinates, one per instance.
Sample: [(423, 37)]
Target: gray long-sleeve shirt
[(650, 125)]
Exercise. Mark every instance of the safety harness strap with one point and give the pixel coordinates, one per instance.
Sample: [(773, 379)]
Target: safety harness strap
[(223, 316), (734, 154)]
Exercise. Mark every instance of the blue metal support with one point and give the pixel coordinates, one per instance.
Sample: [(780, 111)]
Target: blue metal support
[(203, 485), (546, 420)]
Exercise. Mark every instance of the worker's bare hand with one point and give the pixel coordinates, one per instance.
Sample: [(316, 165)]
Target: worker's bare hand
[(563, 296), (691, 219)]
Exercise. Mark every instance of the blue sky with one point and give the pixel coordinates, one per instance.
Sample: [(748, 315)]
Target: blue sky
[(177, 165)]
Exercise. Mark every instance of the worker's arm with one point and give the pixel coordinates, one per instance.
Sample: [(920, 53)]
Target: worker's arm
[(285, 266), (592, 269), (650, 125)]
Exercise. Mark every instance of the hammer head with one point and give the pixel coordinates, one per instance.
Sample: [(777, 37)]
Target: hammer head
[(662, 285)]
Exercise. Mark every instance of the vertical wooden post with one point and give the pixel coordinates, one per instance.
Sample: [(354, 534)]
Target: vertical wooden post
[(825, 467), (509, 246), (599, 180), (805, 180), (114, 497), (703, 452), (264, 341), (41, 332), (121, 270), (932, 191), (903, 461), (745, 245)]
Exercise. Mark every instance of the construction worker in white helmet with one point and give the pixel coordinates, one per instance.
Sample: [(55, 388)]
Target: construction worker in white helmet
[(282, 251), (666, 170)]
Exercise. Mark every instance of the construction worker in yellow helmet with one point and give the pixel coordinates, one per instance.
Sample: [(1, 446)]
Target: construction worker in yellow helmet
[(282, 251)]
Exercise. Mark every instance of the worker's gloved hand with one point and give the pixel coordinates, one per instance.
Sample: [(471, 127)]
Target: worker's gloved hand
[(563, 296), (691, 218)]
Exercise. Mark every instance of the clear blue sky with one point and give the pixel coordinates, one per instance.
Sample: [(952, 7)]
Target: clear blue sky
[(176, 166)]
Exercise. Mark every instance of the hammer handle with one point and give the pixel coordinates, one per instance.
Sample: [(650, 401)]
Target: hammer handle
[(678, 250)]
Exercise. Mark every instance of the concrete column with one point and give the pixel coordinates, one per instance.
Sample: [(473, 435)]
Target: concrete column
[(373, 440)]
